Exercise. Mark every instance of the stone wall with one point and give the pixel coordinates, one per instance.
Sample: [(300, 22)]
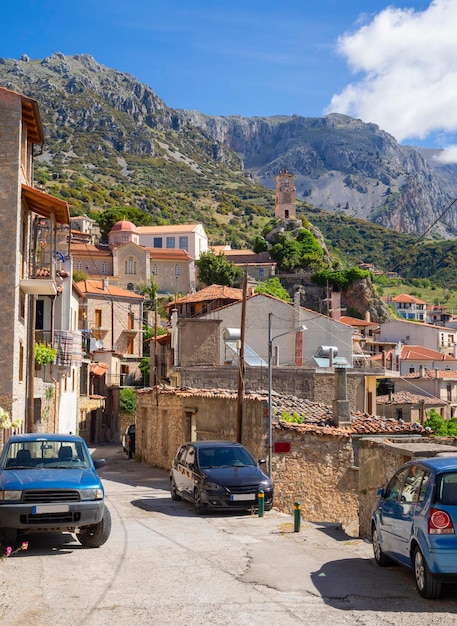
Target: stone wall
[(319, 473), (316, 386), (379, 459)]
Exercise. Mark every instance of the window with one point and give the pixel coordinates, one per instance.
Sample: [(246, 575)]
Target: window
[(79, 266), (398, 414), (104, 268), (131, 321), (130, 265), (184, 243), (21, 362), (155, 270), (170, 242), (98, 318), (393, 488), (157, 242), (261, 271), (415, 485), (130, 345)]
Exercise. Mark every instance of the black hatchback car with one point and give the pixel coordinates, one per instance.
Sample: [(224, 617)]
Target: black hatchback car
[(219, 475)]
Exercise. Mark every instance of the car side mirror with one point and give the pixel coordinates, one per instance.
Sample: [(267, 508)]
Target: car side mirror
[(98, 463), (381, 493)]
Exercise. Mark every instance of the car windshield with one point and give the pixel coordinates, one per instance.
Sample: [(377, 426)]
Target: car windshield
[(446, 488), (224, 457), (44, 453)]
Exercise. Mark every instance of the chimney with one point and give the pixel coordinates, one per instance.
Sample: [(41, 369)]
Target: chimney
[(367, 316), (105, 284), (341, 413), (422, 371)]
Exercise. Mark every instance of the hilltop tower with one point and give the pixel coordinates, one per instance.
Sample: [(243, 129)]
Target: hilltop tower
[(285, 202)]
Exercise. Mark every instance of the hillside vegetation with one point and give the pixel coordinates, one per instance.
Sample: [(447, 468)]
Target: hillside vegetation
[(114, 149)]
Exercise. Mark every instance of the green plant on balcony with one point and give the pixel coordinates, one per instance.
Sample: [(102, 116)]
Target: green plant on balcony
[(44, 353)]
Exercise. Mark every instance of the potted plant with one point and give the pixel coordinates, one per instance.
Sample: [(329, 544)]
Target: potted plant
[(44, 353)]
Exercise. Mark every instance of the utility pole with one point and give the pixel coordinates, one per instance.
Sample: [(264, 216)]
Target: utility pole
[(239, 417)]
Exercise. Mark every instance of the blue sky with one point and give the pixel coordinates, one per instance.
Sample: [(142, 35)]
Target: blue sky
[(387, 63)]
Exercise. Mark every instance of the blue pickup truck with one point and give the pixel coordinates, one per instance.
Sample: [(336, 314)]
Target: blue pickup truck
[(49, 482)]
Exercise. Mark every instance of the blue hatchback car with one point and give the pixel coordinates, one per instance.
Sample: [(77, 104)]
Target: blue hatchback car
[(49, 482), (415, 519)]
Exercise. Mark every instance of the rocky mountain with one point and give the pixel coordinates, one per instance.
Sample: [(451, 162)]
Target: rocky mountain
[(111, 140), (345, 165)]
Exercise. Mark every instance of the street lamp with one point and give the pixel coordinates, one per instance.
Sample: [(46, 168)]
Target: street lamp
[(293, 331)]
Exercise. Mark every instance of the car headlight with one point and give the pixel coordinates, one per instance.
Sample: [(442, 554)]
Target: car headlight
[(214, 487), (10, 496), (266, 485), (91, 494)]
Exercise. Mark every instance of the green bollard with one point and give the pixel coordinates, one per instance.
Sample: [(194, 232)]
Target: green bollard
[(297, 517), (261, 501)]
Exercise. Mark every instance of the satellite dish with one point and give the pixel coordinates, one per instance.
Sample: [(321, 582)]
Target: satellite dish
[(99, 344)]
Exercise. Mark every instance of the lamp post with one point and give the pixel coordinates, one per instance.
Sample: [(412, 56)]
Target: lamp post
[(293, 331)]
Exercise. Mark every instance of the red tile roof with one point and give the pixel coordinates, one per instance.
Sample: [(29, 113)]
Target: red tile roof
[(95, 287), (404, 298), (317, 416), (404, 397)]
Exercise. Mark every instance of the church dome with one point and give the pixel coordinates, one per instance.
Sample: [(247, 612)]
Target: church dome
[(124, 226)]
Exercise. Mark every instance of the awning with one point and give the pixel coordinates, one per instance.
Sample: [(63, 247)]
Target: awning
[(45, 205)]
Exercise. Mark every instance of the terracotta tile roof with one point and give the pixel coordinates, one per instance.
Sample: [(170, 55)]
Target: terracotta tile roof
[(88, 249), (354, 321), (95, 288), (404, 298), (404, 397), (317, 416), (213, 292), (419, 353), (169, 254), (98, 369)]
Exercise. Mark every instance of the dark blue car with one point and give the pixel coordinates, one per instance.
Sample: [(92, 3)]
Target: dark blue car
[(414, 522), (49, 482)]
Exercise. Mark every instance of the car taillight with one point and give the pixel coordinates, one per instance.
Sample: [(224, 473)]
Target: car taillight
[(440, 523)]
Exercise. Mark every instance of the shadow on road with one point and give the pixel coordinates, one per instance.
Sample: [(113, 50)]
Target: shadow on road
[(359, 584)]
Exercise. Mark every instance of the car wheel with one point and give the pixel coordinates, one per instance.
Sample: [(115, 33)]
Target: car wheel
[(96, 535), (8, 537), (173, 490), (198, 504), (427, 585), (268, 507), (381, 559)]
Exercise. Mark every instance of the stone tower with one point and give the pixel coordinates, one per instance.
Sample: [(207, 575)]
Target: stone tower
[(285, 202)]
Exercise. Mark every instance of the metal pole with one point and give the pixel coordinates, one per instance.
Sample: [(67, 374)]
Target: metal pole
[(270, 385)]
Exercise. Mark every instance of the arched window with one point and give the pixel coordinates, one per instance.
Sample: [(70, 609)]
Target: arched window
[(130, 265)]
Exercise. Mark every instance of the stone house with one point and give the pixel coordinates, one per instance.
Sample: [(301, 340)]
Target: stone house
[(321, 470), (410, 407), (438, 384), (30, 270), (128, 264)]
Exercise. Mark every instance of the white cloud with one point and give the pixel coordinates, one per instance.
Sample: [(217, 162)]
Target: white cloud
[(407, 61), (449, 155)]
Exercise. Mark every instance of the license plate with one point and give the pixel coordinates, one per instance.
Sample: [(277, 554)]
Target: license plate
[(237, 497), (50, 508)]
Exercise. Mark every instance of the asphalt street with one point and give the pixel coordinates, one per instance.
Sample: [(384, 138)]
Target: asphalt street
[(165, 565)]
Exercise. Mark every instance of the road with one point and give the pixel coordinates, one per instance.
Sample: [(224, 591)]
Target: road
[(164, 565)]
